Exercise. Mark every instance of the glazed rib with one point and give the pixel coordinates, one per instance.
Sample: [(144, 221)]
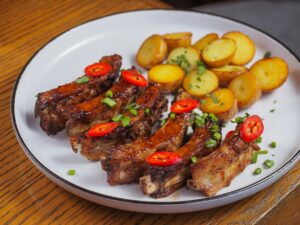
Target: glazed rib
[(82, 116), (51, 105), (140, 126), (163, 181), (216, 171), (126, 162)]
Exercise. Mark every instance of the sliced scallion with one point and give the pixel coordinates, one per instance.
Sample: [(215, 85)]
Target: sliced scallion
[(108, 101)]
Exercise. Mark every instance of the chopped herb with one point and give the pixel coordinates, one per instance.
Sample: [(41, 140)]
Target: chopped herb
[(173, 116), (197, 86), (210, 143), (162, 122), (247, 114), (133, 106), (199, 121), (71, 172), (214, 98), (200, 68), (275, 101), (183, 62), (213, 117), (257, 171), (238, 119), (267, 54), (82, 80), (272, 110), (214, 128), (273, 144), (254, 158), (194, 159), (117, 118), (109, 94), (126, 121), (217, 136), (268, 163), (108, 101), (198, 79), (133, 112), (262, 152), (258, 140), (147, 111), (190, 86), (203, 101)]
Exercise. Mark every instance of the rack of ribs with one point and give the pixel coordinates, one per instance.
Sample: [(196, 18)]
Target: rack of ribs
[(216, 171), (82, 116), (51, 105), (162, 181), (126, 162), (149, 106)]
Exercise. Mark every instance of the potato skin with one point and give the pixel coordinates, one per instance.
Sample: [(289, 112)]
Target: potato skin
[(245, 47), (219, 52), (168, 76), (204, 41), (246, 89), (180, 39), (152, 51), (227, 73), (270, 73)]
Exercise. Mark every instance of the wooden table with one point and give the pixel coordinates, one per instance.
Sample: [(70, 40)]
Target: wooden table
[(28, 197)]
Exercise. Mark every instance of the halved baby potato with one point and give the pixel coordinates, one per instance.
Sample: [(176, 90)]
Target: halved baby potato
[(204, 41), (270, 73), (246, 89), (168, 76), (180, 39), (187, 58), (221, 102), (152, 51), (200, 85), (219, 52), (227, 73)]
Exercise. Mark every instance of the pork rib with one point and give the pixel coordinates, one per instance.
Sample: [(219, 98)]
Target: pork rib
[(50, 105)]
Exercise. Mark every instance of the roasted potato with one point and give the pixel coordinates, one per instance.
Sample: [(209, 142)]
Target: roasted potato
[(219, 52), (246, 89), (221, 102), (270, 73), (186, 58), (152, 51), (180, 39), (245, 50), (168, 76), (204, 41), (200, 85), (227, 73)]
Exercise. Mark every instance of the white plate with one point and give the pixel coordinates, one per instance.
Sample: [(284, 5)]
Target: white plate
[(63, 59)]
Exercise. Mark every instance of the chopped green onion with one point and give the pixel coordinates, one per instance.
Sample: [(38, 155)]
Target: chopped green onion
[(108, 101), (109, 94), (268, 163), (198, 78), (238, 119), (254, 158), (147, 111), (117, 118), (173, 116), (210, 143), (190, 86), (214, 98), (203, 102), (82, 80), (267, 54), (213, 117), (214, 128), (258, 140), (201, 68), (183, 62), (273, 144), (133, 112), (199, 121), (133, 106), (194, 159), (262, 152), (217, 136), (272, 110), (71, 172), (126, 121), (162, 122), (257, 171)]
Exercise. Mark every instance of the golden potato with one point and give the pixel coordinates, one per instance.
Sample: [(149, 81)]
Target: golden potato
[(227, 73), (204, 41), (200, 85), (168, 76), (186, 58), (152, 51), (219, 52), (246, 89), (245, 47), (270, 73), (180, 39)]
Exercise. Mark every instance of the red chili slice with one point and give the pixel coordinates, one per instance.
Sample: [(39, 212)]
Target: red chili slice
[(228, 135), (185, 105), (134, 77), (251, 128), (97, 69), (163, 159), (101, 129)]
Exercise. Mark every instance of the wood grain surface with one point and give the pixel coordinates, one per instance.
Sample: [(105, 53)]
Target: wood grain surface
[(28, 197)]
